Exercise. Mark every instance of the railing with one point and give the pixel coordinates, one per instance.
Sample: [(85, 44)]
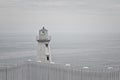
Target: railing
[(43, 38), (50, 71)]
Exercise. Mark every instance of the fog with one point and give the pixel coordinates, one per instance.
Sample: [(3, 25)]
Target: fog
[(60, 16)]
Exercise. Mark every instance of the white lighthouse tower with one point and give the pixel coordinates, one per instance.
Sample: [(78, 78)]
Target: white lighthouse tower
[(44, 54)]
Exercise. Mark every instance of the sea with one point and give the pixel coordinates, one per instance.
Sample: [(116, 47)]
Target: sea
[(75, 49)]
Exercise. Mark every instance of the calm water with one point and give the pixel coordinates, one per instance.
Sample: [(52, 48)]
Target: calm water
[(77, 49)]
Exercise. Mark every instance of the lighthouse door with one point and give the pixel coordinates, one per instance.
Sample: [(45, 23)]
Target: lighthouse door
[(48, 58)]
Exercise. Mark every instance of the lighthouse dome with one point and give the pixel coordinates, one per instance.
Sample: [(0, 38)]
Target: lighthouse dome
[(43, 31)]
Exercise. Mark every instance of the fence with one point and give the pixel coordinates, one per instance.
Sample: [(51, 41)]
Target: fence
[(46, 71)]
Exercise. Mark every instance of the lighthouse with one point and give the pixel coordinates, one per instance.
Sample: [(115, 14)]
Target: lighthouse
[(44, 54)]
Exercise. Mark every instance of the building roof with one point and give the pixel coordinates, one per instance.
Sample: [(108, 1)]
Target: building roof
[(43, 29)]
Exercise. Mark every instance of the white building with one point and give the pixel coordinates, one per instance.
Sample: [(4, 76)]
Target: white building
[(44, 54)]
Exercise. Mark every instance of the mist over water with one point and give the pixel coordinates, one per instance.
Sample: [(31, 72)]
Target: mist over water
[(76, 49)]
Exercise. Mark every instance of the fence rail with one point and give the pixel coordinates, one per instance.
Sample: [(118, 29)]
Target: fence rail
[(43, 71)]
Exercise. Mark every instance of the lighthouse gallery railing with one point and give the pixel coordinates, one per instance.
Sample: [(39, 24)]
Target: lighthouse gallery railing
[(44, 71), (42, 39)]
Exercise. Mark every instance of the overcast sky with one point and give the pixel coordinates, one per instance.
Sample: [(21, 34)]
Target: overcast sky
[(63, 16)]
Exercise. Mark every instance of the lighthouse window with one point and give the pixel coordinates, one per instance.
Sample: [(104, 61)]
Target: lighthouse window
[(48, 58), (42, 32), (46, 45)]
